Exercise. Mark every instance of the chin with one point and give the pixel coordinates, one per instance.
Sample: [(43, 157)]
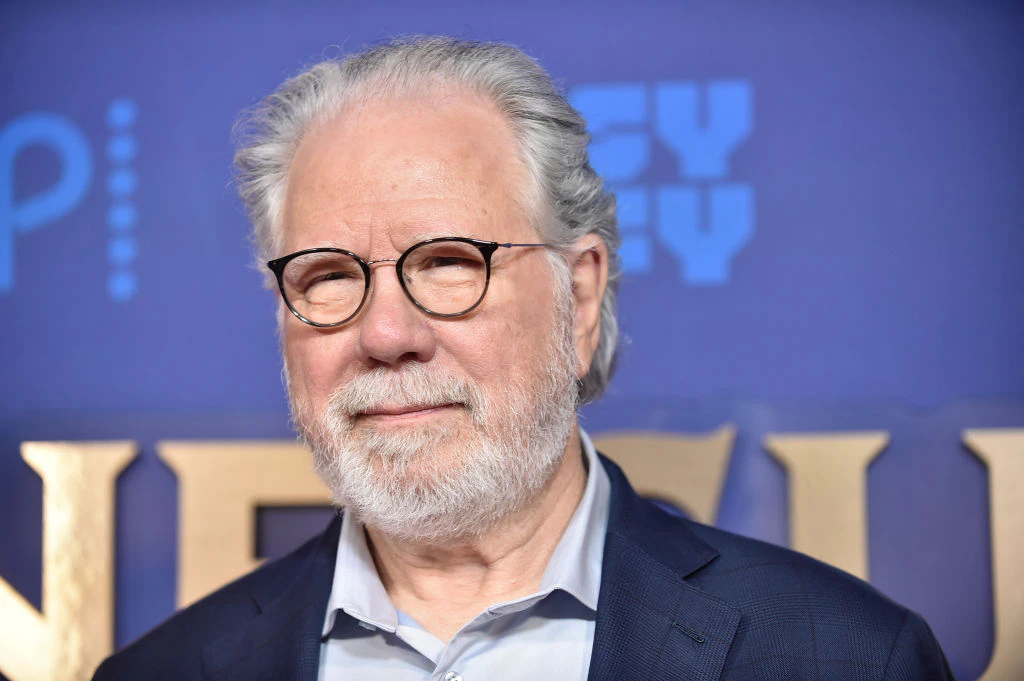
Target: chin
[(449, 487)]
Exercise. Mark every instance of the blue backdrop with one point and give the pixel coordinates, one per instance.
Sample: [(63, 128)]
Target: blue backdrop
[(821, 204)]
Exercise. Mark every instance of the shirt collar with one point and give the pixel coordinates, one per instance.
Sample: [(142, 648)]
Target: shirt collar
[(357, 588), (575, 565)]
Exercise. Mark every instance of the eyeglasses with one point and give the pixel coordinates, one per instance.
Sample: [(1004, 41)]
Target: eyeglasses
[(445, 277)]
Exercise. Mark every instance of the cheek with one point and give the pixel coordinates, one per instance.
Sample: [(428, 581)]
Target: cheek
[(314, 360), (532, 312), (466, 347), (518, 332)]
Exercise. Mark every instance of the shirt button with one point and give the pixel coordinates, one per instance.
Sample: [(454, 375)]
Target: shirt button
[(453, 676)]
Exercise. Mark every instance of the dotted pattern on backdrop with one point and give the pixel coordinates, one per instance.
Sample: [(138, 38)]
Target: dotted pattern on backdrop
[(122, 216)]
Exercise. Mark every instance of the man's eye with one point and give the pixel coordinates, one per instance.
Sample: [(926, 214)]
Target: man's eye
[(328, 278), (450, 261)]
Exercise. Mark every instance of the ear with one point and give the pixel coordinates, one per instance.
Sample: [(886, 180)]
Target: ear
[(589, 268)]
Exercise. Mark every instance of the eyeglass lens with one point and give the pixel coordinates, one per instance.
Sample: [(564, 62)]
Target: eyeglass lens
[(444, 277)]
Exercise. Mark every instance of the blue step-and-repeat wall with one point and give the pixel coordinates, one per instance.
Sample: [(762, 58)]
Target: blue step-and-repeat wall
[(821, 206)]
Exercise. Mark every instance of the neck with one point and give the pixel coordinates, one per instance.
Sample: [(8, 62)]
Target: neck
[(443, 586)]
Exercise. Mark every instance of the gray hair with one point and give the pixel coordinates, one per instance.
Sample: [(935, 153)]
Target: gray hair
[(567, 196)]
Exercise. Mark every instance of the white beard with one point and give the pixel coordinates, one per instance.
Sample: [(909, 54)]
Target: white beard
[(438, 483)]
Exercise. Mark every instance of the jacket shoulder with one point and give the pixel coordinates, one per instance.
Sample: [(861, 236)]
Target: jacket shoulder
[(798, 617), (750, 568), (803, 618)]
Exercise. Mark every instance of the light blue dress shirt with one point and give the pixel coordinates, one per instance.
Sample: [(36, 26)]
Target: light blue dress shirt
[(546, 635)]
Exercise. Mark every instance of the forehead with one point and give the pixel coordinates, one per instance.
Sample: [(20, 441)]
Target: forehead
[(394, 170)]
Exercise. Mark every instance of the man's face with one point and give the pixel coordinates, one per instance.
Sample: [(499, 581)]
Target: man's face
[(397, 403)]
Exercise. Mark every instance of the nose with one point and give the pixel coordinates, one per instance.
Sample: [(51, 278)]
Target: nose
[(391, 329)]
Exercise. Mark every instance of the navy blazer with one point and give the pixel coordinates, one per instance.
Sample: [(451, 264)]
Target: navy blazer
[(678, 600)]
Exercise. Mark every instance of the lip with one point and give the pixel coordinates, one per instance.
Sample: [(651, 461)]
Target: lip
[(404, 413)]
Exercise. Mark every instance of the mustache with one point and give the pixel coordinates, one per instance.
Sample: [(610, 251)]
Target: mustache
[(413, 385)]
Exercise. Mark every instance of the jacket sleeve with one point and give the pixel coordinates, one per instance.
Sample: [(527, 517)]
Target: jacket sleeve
[(916, 655)]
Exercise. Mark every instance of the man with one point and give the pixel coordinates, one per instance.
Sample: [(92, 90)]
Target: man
[(445, 259)]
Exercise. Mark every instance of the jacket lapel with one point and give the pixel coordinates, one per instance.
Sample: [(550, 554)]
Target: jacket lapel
[(282, 641), (651, 623)]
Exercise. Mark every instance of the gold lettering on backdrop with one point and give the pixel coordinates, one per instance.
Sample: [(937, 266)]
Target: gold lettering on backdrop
[(220, 486), (828, 493), (76, 628), (1002, 450), (222, 483), (685, 470)]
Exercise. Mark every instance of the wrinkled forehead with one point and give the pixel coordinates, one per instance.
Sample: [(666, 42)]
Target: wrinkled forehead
[(417, 162)]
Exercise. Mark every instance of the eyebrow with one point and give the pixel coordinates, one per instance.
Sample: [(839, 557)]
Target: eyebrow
[(413, 239), (423, 236)]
